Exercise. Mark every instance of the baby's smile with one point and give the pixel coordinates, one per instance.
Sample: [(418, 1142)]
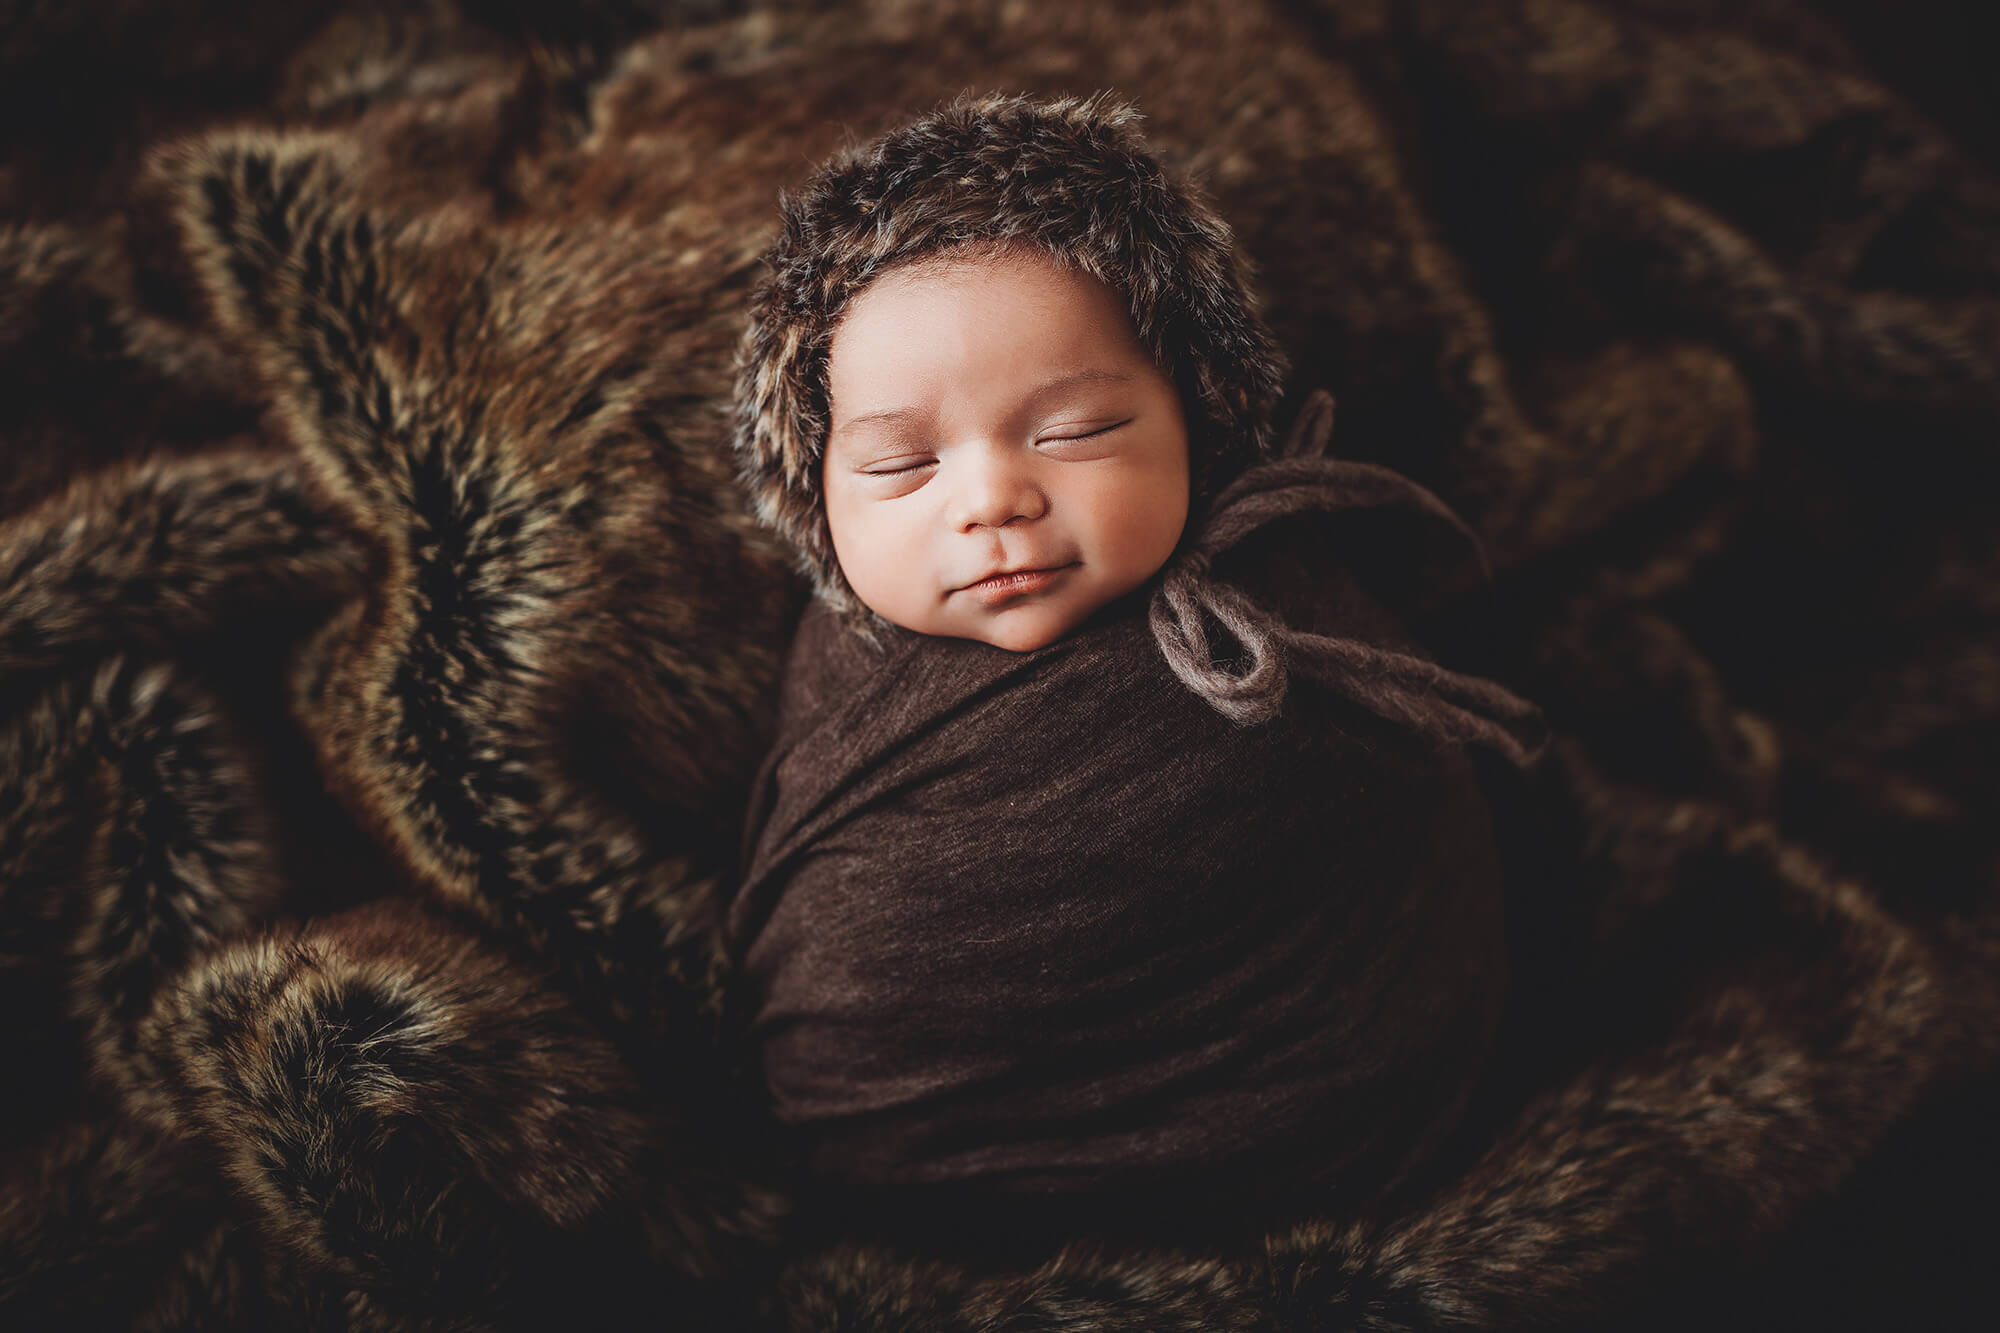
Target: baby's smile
[(1006, 585)]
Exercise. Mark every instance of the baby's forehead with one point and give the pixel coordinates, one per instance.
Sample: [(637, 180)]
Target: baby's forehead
[(931, 306)]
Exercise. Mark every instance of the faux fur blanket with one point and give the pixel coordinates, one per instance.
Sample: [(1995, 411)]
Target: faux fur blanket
[(385, 655)]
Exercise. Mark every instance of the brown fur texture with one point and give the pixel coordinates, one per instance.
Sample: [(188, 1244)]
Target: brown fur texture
[(496, 409), (137, 837), (404, 1108), (369, 532), (89, 374), (164, 1247), (157, 552)]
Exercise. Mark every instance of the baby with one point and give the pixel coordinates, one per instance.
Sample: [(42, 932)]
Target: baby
[(1044, 906)]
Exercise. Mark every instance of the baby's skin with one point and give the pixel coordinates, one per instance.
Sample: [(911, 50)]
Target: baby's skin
[(1003, 458)]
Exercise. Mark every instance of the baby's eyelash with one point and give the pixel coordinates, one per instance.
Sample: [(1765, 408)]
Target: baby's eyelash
[(910, 466), (1088, 435)]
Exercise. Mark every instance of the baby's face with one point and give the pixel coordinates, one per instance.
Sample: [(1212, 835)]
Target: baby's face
[(1003, 457)]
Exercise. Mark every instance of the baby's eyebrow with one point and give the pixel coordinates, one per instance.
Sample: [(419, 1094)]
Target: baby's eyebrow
[(1068, 379), (883, 417)]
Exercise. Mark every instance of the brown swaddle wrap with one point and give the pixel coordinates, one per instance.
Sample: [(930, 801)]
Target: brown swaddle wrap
[(1051, 924)]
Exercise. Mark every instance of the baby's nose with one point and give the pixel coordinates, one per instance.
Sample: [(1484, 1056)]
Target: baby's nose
[(996, 491)]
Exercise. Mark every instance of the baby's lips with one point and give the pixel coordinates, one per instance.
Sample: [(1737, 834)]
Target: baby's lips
[(998, 589), (1031, 568)]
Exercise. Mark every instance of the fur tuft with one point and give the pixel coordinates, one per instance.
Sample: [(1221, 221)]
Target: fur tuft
[(133, 835), (400, 1105), (159, 552)]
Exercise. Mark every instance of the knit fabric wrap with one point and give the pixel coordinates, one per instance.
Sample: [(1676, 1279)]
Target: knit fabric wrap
[(1068, 178), (1054, 926)]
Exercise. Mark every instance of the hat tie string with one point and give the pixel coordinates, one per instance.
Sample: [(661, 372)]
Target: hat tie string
[(1444, 705)]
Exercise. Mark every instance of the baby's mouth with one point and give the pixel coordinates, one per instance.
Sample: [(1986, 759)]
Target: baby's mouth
[(1014, 582)]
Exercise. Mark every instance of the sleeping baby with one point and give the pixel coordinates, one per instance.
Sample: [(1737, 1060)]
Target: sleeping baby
[(1119, 857)]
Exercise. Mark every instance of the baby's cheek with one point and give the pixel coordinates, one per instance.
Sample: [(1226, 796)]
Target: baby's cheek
[(859, 550), (1144, 521), (898, 575)]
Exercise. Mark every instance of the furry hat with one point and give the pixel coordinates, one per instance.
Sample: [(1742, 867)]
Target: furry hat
[(1069, 177)]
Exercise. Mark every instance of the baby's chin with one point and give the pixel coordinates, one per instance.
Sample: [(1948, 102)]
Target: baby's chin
[(1018, 630), (1023, 634)]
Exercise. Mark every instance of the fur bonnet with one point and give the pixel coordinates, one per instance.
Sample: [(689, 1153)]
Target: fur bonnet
[(1070, 177)]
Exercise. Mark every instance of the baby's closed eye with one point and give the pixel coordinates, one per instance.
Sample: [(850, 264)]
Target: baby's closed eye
[(897, 466), (1082, 442)]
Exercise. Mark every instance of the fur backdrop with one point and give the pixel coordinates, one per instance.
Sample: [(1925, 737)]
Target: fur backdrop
[(385, 649)]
